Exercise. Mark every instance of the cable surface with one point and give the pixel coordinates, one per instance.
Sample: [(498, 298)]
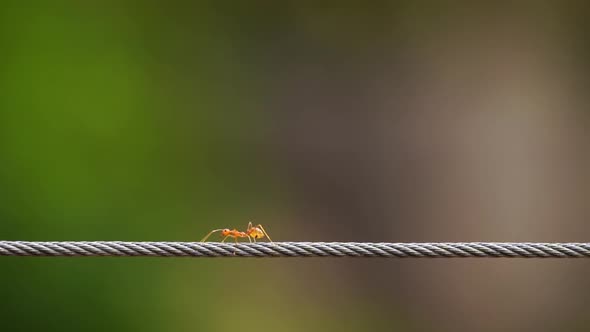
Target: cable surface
[(297, 249)]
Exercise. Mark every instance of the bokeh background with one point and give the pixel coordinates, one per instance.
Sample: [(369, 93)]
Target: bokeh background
[(388, 121)]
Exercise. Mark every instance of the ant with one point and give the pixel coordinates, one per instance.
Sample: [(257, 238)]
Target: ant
[(252, 233)]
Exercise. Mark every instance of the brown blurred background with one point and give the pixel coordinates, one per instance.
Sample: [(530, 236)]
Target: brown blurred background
[(388, 122)]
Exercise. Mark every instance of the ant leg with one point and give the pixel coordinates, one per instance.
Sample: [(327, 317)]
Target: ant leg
[(225, 238), (235, 249), (265, 233), (207, 236), (248, 230)]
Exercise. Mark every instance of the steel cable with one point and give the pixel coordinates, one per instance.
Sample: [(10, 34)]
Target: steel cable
[(297, 249)]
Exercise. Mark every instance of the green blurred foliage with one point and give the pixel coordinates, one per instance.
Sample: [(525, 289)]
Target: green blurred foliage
[(119, 123)]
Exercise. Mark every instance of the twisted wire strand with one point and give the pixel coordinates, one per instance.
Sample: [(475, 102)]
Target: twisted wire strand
[(297, 249)]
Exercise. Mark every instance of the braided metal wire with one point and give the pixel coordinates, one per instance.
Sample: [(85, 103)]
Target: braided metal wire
[(297, 249)]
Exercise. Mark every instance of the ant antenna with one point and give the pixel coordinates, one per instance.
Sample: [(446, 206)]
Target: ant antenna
[(265, 233)]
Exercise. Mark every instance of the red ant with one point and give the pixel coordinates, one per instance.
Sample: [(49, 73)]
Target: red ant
[(252, 233)]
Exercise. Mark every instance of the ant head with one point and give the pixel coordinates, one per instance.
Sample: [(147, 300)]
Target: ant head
[(225, 232), (256, 233)]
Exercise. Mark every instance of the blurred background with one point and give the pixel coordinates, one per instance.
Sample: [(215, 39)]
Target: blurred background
[(390, 121)]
